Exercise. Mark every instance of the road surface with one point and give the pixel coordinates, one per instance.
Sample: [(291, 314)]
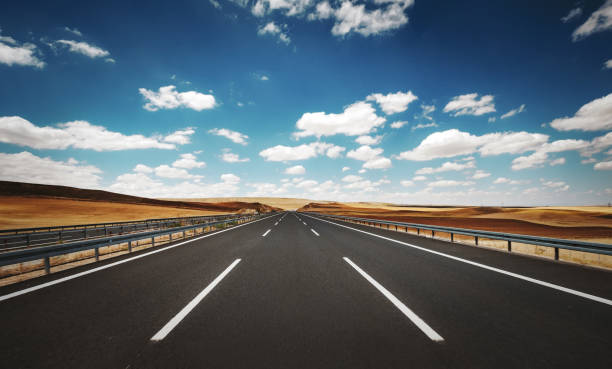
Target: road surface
[(292, 291)]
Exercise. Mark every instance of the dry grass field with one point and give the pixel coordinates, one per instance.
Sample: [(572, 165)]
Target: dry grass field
[(587, 223), (279, 202)]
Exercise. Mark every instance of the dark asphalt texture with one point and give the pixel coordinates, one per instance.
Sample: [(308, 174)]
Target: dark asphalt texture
[(293, 302)]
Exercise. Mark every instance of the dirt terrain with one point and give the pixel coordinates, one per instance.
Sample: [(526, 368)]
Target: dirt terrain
[(587, 223), (279, 202), (24, 205)]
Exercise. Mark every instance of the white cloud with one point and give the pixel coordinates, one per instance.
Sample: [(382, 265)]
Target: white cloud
[(361, 171), (424, 125), (452, 142), (76, 134), (73, 31), (588, 161), (230, 157), (264, 78), (215, 3), (540, 156), (368, 140), (491, 119), (600, 20), (513, 112), (295, 170), (83, 48), (168, 98), (399, 124), (504, 180), (480, 174), (604, 165), (15, 53), (419, 178), (235, 137), (352, 178), (469, 104), (608, 64), (370, 156), (357, 119), (393, 102), (272, 29), (574, 13), (593, 116), (301, 152), (139, 184), (427, 110), (449, 183), (230, 178), (557, 186), (559, 161), (447, 166), (27, 167), (180, 137), (344, 169), (141, 168), (188, 161), (289, 7), (350, 17), (407, 183), (166, 171)]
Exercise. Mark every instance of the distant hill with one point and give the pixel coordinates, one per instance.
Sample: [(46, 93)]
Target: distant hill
[(19, 189)]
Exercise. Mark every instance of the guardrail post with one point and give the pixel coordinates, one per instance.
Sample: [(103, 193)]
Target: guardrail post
[(97, 251), (509, 246), (28, 240), (47, 265), (432, 233), (152, 241), (418, 232), (452, 237), (105, 231), (59, 237), (556, 253), (476, 240), (184, 234), (129, 246)]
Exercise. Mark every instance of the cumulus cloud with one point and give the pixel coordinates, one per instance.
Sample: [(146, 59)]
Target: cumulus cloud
[(273, 29), (188, 161), (504, 180), (469, 104), (166, 171), (301, 152), (295, 170), (230, 178), (168, 98), (593, 116), (230, 157), (15, 53), (180, 137), (514, 112), (453, 142), (352, 178), (235, 137), (371, 156), (574, 13), (480, 174), (344, 169), (604, 165), (350, 17), (141, 168), (288, 7), (368, 140), (608, 64), (140, 184), (599, 21), (449, 183), (559, 161), (27, 167), (540, 156), (357, 119), (419, 178), (557, 186), (393, 102), (79, 135), (447, 166), (398, 124), (407, 183), (83, 48)]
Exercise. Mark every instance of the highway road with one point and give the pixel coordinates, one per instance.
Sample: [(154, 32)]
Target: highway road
[(293, 291)]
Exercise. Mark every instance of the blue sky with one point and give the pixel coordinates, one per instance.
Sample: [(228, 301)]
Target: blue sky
[(416, 102)]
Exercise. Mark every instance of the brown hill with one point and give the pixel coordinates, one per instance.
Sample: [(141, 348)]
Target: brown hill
[(29, 190)]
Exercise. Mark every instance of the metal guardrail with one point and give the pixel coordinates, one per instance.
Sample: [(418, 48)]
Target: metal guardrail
[(556, 243), (27, 237), (46, 252)]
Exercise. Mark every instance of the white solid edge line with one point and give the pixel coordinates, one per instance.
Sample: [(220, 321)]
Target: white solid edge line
[(275, 224), (420, 323), (67, 278), (266, 233), (313, 231), (483, 266), (166, 329)]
